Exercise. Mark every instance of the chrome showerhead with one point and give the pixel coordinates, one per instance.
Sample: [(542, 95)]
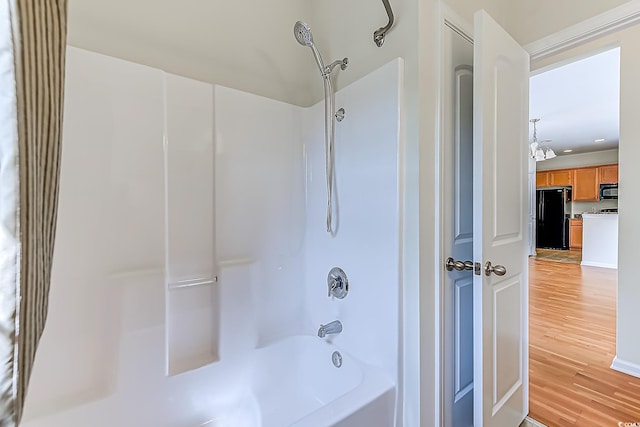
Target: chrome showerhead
[(303, 34), (304, 37)]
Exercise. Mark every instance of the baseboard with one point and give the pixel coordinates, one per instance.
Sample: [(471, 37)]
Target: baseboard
[(530, 422), (625, 367), (598, 264)]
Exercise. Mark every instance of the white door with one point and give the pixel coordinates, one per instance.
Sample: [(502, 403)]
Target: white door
[(500, 168), (457, 178)]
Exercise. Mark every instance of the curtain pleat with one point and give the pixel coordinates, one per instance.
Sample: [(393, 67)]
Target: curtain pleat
[(39, 44)]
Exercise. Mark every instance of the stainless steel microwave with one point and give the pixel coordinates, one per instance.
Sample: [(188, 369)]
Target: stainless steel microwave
[(608, 191)]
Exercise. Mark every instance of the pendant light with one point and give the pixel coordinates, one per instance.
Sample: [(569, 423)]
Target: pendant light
[(539, 153)]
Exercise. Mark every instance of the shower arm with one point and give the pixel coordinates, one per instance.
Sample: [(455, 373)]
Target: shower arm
[(341, 62), (378, 35), (326, 70)]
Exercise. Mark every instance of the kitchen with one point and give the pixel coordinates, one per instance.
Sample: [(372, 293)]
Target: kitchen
[(577, 209), (574, 209), (573, 289)]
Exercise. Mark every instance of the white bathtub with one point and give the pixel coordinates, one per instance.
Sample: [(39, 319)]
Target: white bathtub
[(292, 382), (296, 384)]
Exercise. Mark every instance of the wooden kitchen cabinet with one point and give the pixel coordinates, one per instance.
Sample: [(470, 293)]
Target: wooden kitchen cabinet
[(554, 178), (561, 178), (586, 185), (575, 233), (543, 179), (585, 181), (608, 174)]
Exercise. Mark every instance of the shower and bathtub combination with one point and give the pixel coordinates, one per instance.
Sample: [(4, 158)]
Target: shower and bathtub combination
[(291, 318)]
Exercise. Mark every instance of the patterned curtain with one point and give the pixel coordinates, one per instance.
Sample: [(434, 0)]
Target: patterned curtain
[(32, 59)]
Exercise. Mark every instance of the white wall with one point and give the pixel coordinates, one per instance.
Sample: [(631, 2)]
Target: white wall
[(534, 20), (595, 158), (628, 346), (108, 229), (367, 238), (502, 11), (247, 45), (260, 205), (346, 29), (192, 299), (530, 21)]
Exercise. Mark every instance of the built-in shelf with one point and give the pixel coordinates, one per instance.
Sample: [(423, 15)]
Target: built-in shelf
[(192, 302), (192, 283), (235, 262)]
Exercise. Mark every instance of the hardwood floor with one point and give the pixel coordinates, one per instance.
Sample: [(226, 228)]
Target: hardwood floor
[(572, 321)]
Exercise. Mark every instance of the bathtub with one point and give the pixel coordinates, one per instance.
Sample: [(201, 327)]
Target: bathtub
[(295, 383), (291, 382)]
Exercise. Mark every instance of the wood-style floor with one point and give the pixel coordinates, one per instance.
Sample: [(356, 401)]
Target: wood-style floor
[(572, 321)]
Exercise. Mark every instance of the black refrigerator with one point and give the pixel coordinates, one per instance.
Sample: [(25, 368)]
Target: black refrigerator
[(552, 222)]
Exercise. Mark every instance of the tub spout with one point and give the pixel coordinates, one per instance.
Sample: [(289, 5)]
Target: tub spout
[(334, 327)]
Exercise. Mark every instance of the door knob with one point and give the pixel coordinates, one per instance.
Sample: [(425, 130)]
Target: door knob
[(498, 270), (451, 265)]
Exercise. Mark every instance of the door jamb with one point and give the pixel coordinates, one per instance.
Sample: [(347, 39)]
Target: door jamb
[(451, 19), (608, 22)]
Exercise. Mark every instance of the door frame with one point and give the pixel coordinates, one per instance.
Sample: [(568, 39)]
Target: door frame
[(618, 18), (570, 37), (449, 22), (448, 18)]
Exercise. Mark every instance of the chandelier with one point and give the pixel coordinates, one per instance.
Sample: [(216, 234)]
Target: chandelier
[(535, 150)]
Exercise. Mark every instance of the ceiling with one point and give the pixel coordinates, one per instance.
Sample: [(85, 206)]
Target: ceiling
[(577, 104), (246, 45)]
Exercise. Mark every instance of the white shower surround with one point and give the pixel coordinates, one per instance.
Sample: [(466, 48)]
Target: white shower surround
[(367, 242), (272, 253)]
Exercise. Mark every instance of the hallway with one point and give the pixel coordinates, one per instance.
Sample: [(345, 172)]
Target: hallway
[(572, 336)]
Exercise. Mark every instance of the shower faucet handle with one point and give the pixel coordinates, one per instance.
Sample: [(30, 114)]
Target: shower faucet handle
[(337, 283), (332, 285)]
